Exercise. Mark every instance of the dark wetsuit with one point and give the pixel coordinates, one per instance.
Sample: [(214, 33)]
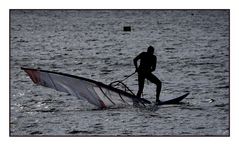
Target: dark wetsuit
[(145, 69)]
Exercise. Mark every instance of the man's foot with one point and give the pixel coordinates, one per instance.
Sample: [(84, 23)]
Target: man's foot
[(158, 102)]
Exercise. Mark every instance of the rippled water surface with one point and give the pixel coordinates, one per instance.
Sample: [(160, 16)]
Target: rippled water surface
[(192, 49)]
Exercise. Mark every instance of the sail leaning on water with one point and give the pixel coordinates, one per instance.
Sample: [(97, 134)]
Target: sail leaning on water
[(94, 92)]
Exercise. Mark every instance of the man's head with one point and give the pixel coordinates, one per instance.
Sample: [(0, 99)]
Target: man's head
[(150, 50)]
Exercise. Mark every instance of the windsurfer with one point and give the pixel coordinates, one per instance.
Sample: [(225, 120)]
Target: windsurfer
[(147, 66)]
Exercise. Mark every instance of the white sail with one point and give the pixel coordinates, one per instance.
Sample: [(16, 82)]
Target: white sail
[(94, 92)]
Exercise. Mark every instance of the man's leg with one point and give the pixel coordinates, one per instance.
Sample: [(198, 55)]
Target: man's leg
[(152, 78), (141, 79)]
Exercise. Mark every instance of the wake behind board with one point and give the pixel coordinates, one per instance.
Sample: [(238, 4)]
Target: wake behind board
[(173, 100)]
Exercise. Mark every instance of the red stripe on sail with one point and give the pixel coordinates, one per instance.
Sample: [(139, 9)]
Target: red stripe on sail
[(34, 75), (103, 106)]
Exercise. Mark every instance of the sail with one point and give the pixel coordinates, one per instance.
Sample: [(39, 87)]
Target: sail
[(94, 92)]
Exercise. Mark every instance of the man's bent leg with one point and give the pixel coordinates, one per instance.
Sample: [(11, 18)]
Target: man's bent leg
[(152, 78)]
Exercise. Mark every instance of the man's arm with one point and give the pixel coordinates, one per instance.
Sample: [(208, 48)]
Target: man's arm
[(136, 60)]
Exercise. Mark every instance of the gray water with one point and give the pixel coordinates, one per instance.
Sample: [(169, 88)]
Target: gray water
[(192, 49)]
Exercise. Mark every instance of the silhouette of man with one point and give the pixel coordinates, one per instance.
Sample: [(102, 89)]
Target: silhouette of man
[(147, 66)]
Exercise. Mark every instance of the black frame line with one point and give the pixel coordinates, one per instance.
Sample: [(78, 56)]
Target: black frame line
[(106, 95), (123, 99)]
